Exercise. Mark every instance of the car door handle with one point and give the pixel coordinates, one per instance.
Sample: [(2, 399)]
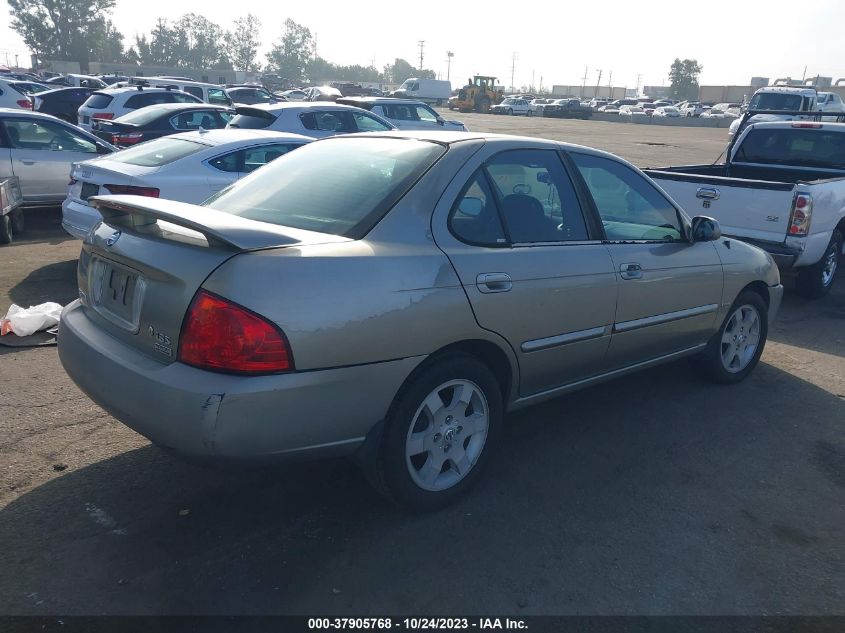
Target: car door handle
[(27, 161), (493, 282), (708, 193), (631, 271)]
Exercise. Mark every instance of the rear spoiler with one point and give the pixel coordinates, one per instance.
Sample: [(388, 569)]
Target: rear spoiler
[(219, 228), (255, 112)]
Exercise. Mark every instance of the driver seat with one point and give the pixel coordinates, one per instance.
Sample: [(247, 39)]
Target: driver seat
[(526, 219)]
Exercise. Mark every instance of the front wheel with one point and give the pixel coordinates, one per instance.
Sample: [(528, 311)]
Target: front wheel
[(735, 349), (439, 433), (7, 232), (815, 281), (510, 111), (17, 221)]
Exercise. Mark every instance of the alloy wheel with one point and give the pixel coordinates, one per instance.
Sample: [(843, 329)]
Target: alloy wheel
[(740, 339)]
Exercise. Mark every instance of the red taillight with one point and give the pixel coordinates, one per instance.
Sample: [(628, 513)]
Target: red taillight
[(802, 211), (220, 335), (26, 104), (103, 115), (128, 138), (808, 126), (131, 190)]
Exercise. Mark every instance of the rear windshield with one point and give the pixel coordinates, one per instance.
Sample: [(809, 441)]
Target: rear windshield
[(340, 186), (143, 116), (776, 101), (157, 152), (793, 146), (98, 101), (248, 122)]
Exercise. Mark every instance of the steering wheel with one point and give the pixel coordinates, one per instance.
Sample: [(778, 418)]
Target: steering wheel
[(522, 189), (55, 144)]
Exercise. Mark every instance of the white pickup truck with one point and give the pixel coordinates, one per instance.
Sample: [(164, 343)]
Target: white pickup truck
[(782, 188)]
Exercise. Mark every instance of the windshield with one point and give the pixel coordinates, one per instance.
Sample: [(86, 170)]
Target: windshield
[(157, 152), (341, 186), (776, 101), (793, 146)]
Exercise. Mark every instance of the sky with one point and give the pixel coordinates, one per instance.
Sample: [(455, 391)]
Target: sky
[(555, 42)]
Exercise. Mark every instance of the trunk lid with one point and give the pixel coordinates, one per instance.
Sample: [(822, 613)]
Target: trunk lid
[(140, 268), (91, 176)]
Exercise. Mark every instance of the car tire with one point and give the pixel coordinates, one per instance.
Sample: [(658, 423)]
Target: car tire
[(815, 281), (528, 113), (7, 232), (421, 418), (17, 221), (510, 111), (484, 106), (734, 351)]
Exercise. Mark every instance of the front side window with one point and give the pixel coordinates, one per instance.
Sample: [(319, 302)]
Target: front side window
[(630, 207), (193, 90), (218, 96), (426, 114), (538, 200), (181, 97), (256, 157), (46, 136)]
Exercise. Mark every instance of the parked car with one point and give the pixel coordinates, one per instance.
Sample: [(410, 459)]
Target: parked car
[(776, 98), (188, 167), (164, 119), (830, 102), (77, 81), (27, 87), (782, 188), (609, 109), (666, 111), (436, 91), (648, 108), (209, 93), (39, 150), (294, 95), (691, 108), (317, 119), (567, 109), (631, 111), (113, 79), (14, 97), (322, 93), (535, 106), (405, 114), (251, 95), (112, 103), (62, 103), (511, 105), (401, 322), (595, 104)]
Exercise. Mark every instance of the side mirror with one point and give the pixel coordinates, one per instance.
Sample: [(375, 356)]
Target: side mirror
[(441, 121), (705, 229), (471, 206)]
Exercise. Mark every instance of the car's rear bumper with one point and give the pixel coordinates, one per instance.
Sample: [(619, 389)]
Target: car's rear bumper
[(202, 414), (78, 218)]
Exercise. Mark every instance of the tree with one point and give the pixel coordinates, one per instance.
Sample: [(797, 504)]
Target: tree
[(683, 78), (242, 43), (63, 29), (400, 70), (200, 43), (107, 43), (290, 56)]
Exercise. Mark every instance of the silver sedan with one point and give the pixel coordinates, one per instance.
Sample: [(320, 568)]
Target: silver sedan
[(392, 296)]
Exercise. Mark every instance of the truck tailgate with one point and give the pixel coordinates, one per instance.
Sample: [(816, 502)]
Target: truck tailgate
[(755, 209)]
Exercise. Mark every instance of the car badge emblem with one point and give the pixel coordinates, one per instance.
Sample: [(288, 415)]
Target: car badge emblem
[(112, 239)]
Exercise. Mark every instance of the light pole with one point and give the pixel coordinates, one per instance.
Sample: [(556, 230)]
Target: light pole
[(449, 56)]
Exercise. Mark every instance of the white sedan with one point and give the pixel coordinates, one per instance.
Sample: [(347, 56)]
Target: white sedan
[(511, 105), (667, 111), (317, 119), (188, 167), (535, 107)]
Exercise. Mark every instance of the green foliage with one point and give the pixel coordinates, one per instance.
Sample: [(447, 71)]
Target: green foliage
[(400, 70), (319, 70), (683, 78), (65, 29), (242, 43), (192, 42), (289, 57)]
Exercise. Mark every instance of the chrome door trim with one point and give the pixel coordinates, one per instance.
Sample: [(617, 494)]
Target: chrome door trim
[(563, 339), (657, 319)]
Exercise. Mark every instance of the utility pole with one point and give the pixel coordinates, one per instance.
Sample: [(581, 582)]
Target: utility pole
[(598, 82), (17, 65), (449, 56), (532, 80), (513, 70), (639, 81), (421, 44), (610, 86), (584, 80)]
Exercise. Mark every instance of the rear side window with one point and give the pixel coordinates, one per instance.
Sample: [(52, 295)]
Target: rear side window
[(157, 152), (367, 123), (475, 216), (196, 119), (218, 97), (181, 97), (98, 101), (144, 99), (341, 186), (195, 91), (328, 121), (252, 122)]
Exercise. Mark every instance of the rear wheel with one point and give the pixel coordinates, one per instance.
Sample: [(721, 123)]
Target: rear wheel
[(7, 232), (439, 434), (510, 111), (815, 281), (483, 106), (735, 349), (17, 220)]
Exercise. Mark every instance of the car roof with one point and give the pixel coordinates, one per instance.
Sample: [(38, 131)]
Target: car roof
[(377, 100), (278, 108), (187, 82), (186, 106), (124, 89), (228, 136)]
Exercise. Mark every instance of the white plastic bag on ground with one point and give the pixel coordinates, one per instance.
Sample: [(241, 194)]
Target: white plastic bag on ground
[(26, 321)]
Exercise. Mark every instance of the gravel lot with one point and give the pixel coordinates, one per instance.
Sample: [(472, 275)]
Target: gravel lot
[(655, 494)]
